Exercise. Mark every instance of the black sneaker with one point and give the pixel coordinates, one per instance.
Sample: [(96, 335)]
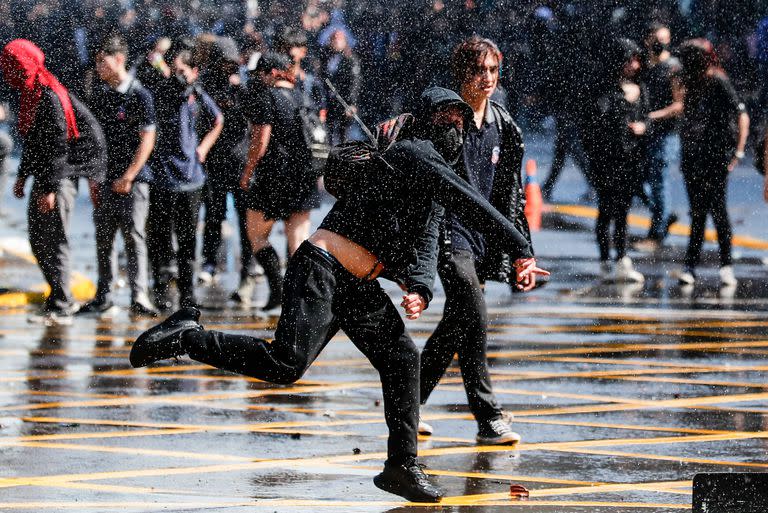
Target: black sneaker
[(409, 481), (496, 432), (163, 341), (97, 306), (142, 310)]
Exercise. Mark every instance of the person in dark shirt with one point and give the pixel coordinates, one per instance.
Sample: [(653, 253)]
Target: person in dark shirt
[(661, 80), (619, 131), (278, 172), (491, 164), (225, 161), (62, 141), (342, 68), (713, 134), (126, 112), (385, 227), (176, 165)]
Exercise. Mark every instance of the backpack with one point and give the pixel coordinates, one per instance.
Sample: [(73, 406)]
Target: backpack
[(87, 155), (315, 133), (354, 165)]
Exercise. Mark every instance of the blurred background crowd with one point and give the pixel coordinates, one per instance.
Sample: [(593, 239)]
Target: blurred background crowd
[(552, 49)]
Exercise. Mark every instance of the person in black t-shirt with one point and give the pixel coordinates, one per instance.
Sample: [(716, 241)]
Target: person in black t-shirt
[(713, 133), (225, 162), (278, 171), (126, 112), (661, 80), (620, 151)]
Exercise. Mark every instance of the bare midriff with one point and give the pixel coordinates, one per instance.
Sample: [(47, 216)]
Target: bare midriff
[(356, 259)]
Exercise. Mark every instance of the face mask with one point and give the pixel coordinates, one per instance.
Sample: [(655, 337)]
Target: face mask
[(658, 47), (448, 141)]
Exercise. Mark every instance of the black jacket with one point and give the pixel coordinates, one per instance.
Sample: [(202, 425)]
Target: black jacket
[(50, 157), (507, 196), (347, 80)]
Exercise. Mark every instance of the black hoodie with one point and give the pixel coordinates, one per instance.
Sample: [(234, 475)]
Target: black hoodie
[(397, 216)]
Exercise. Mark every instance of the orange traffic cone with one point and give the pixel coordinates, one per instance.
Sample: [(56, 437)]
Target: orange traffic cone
[(533, 199)]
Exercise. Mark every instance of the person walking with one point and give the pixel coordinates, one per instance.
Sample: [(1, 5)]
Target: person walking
[(278, 172), (62, 141), (385, 225), (713, 134), (619, 132), (126, 112), (491, 164), (661, 80)]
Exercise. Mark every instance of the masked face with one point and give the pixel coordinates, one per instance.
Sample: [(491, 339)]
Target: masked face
[(657, 47), (448, 141)]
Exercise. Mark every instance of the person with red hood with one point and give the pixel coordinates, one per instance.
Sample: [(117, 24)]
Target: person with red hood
[(62, 141)]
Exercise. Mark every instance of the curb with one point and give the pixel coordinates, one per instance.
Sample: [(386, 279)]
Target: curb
[(82, 287)]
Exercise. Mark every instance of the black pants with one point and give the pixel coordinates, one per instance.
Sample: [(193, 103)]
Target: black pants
[(462, 330), (319, 298), (173, 212), (613, 204), (707, 188), (215, 213)]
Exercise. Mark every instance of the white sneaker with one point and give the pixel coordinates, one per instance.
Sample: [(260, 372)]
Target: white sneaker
[(727, 277), (205, 276), (686, 277), (624, 272), (496, 432), (425, 429)]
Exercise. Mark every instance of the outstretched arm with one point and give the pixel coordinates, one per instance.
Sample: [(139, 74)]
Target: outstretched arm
[(426, 172)]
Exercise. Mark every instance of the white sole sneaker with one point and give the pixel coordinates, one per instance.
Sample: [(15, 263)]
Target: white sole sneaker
[(425, 429)]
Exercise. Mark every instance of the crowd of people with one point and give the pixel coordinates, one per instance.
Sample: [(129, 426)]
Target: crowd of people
[(164, 109)]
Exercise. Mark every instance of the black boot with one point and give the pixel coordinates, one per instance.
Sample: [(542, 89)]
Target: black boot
[(408, 480), (268, 259), (164, 340)]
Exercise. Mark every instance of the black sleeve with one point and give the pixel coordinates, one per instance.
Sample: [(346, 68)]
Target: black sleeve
[(146, 107), (728, 98), (424, 170), (421, 276), (46, 147), (259, 108)]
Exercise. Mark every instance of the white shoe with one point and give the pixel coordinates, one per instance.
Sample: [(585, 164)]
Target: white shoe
[(205, 276), (624, 272), (727, 277), (425, 429), (686, 278)]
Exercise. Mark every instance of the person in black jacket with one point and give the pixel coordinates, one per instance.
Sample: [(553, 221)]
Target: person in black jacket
[(492, 157), (620, 150), (342, 68), (62, 141), (385, 227)]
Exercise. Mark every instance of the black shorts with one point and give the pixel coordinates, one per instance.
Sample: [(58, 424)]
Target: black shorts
[(279, 195)]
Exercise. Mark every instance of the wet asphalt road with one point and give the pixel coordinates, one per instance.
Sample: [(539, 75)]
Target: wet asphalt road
[(621, 393)]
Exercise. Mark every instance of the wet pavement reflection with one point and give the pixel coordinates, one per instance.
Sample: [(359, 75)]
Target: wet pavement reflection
[(621, 394)]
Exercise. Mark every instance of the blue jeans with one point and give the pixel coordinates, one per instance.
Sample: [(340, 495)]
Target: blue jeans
[(656, 187)]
